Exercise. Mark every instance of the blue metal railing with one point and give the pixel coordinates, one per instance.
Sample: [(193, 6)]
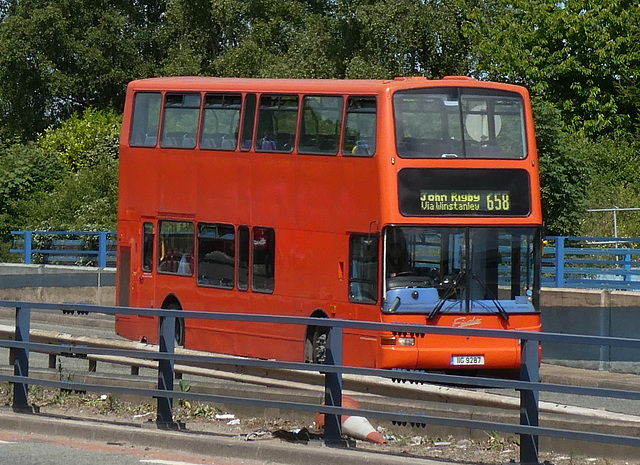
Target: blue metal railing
[(529, 384), (578, 262), (591, 262), (97, 248)]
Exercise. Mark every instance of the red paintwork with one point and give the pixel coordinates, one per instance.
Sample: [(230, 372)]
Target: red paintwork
[(313, 202)]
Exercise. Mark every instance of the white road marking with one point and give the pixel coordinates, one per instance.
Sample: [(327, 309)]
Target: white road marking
[(166, 462), (6, 442)]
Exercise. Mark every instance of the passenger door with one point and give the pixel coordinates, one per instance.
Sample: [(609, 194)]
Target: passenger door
[(144, 271)]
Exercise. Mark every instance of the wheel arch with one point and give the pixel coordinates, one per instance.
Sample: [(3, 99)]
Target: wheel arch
[(317, 313), (171, 301)]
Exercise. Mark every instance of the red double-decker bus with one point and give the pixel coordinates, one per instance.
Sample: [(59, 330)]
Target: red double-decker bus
[(403, 201)]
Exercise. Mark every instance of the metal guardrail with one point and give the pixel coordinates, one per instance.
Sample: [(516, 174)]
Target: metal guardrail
[(591, 262), (577, 262), (96, 248), (529, 384)]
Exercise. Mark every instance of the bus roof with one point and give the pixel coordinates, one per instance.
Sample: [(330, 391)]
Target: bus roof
[(200, 83)]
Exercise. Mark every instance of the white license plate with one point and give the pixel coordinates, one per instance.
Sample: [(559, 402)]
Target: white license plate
[(466, 360)]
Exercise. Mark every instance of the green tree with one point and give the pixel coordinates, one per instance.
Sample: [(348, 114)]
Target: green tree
[(82, 139), (195, 37), (86, 200), (613, 181), (60, 57), (563, 175), (403, 37), (263, 38), (580, 55), (23, 173), (87, 197), (316, 39), (68, 180)]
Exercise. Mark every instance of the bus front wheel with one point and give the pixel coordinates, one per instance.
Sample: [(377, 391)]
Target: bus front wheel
[(315, 345)]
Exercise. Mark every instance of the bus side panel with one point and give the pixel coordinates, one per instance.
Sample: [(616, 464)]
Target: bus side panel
[(223, 188), (263, 340), (361, 348), (273, 177), (175, 182), (139, 182)]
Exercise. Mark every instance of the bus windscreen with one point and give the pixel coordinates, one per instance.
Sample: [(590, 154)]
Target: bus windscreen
[(459, 123), (434, 270)]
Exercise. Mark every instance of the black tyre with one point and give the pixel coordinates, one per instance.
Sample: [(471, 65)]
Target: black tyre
[(179, 336), (315, 346)]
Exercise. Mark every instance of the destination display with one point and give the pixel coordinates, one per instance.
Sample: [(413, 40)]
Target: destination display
[(465, 201), (464, 192)]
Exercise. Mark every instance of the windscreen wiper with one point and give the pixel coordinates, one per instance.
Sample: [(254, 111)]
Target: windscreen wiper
[(503, 313), (447, 292)]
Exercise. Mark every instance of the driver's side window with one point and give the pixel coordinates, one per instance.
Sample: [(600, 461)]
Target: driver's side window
[(363, 268)]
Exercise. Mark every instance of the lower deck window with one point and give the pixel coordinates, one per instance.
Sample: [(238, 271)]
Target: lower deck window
[(175, 247), (243, 257), (264, 259), (216, 255), (363, 269), (147, 248)]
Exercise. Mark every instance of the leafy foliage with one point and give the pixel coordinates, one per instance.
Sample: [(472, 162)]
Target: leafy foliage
[(24, 171), (315, 39), (580, 55), (63, 56), (84, 201), (64, 66), (405, 37), (68, 180), (82, 139), (563, 175), (614, 181)]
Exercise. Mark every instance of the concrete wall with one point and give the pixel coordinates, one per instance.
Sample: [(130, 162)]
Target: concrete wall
[(58, 284), (596, 313)]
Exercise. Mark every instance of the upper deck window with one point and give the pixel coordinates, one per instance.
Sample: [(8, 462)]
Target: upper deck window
[(321, 125), (248, 121), (221, 121), (181, 119), (360, 127), (277, 123), (459, 123), (146, 119)]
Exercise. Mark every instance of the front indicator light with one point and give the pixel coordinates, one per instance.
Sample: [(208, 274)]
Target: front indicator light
[(400, 341)]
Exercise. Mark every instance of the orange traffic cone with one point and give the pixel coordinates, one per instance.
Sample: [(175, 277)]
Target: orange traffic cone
[(355, 426)]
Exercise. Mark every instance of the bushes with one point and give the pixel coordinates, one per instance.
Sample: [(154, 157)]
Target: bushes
[(68, 180)]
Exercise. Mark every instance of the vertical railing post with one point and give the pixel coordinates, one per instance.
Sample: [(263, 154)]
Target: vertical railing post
[(627, 267), (560, 261), (333, 388), (28, 236), (102, 249), (21, 359), (529, 415), (166, 340)]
